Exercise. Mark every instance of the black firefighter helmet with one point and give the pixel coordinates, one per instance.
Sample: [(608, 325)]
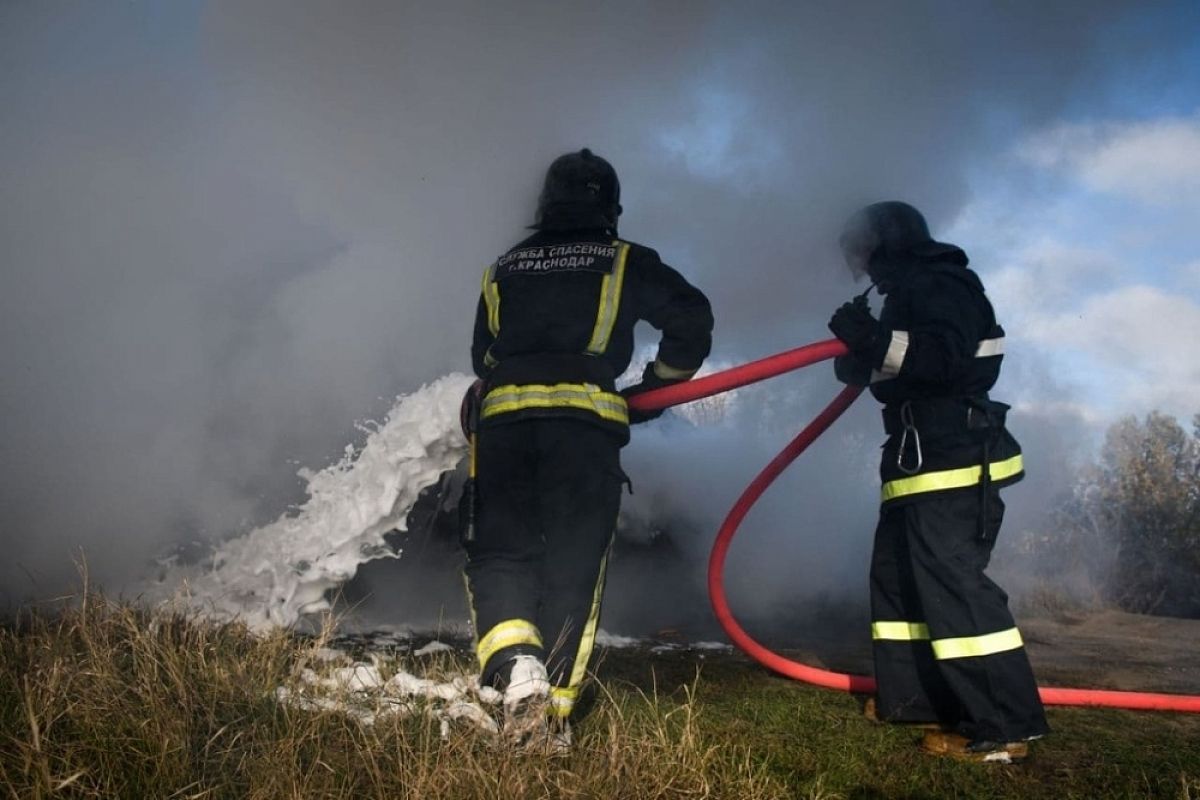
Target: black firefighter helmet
[(883, 237), (581, 191)]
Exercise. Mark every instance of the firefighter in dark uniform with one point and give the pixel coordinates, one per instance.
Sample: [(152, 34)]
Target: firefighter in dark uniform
[(553, 331), (948, 655)]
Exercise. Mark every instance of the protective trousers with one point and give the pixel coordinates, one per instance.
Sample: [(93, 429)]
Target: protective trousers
[(548, 494), (946, 647)]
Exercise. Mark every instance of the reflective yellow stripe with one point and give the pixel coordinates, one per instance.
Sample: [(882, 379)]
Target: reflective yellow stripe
[(900, 631), (669, 373), (506, 634), (969, 646), (588, 640), (584, 396), (562, 700), (489, 360), (491, 298), (610, 303), (951, 478)]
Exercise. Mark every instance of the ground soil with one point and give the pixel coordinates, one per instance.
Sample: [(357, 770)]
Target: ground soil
[(1100, 650)]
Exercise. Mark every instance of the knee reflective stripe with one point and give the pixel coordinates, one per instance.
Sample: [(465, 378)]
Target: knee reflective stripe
[(588, 640), (491, 298), (562, 700), (610, 303), (900, 631), (970, 646), (951, 478), (583, 396), (506, 634)]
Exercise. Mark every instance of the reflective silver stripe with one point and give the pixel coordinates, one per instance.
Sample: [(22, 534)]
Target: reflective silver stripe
[(985, 349), (894, 359), (582, 396), (491, 298), (610, 303), (990, 347)]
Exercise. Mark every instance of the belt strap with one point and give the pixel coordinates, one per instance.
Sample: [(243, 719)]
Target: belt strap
[(944, 415)]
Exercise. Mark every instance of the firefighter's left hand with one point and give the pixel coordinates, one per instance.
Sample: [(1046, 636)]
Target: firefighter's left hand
[(854, 324), (649, 382)]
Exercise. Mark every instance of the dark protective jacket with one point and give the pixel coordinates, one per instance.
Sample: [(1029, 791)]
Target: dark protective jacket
[(939, 356), (554, 326)]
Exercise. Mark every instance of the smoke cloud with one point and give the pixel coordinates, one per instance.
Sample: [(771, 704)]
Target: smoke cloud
[(231, 230)]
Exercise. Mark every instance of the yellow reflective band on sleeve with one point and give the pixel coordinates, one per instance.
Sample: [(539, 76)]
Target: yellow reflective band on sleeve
[(610, 303), (562, 700), (582, 396), (669, 373), (971, 646), (491, 298), (900, 631), (489, 360), (951, 478), (506, 634)]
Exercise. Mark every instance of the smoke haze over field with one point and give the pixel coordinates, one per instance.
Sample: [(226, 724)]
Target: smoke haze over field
[(230, 230)]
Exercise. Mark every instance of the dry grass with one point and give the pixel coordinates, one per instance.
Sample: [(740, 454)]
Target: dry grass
[(107, 701), (103, 700)]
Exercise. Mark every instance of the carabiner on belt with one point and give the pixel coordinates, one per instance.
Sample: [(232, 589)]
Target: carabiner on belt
[(906, 419)]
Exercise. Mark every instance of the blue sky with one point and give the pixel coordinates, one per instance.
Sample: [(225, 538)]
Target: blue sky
[(1086, 231)]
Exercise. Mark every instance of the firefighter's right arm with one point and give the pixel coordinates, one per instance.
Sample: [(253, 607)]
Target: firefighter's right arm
[(680, 311)]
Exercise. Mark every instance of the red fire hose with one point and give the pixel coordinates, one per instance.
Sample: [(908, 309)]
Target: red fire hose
[(777, 365)]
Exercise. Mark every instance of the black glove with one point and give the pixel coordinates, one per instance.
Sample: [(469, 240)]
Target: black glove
[(649, 382), (854, 325), (850, 371)]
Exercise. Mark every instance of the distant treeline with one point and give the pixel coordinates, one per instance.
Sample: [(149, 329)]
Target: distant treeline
[(1133, 518)]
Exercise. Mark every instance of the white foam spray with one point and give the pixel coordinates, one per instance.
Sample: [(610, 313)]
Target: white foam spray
[(275, 574)]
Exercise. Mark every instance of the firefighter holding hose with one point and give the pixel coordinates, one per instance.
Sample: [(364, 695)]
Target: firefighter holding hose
[(948, 656), (553, 330)]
